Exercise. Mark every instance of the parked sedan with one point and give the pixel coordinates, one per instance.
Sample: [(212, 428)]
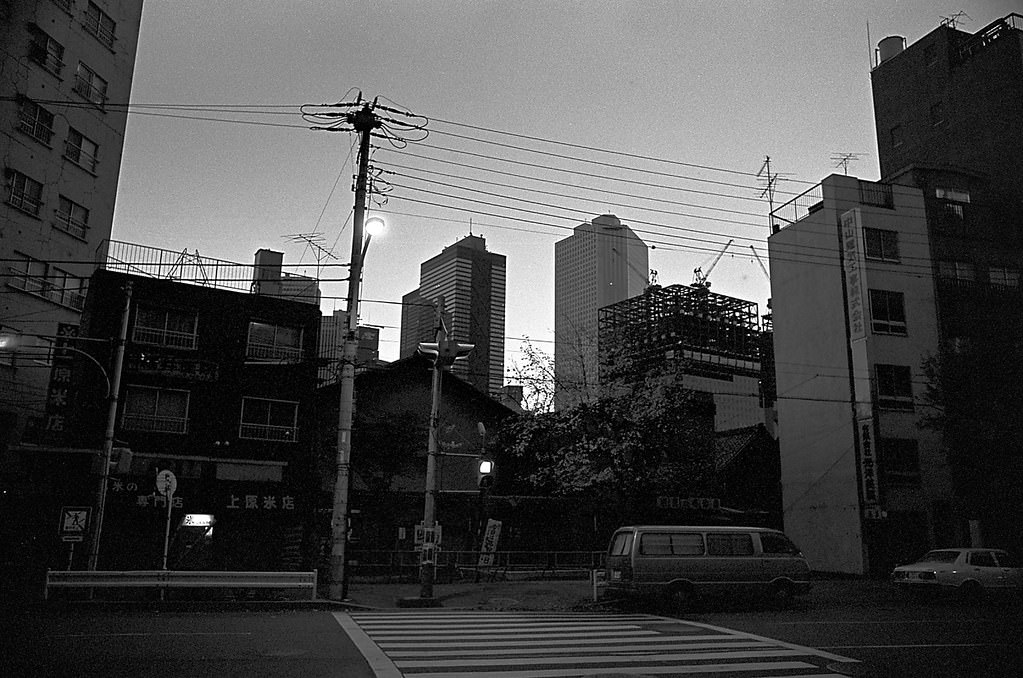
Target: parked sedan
[(969, 571)]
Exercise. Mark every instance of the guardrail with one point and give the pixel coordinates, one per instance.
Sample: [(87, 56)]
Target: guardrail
[(451, 565), (164, 579)]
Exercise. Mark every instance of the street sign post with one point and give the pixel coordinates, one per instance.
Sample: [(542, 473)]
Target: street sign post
[(74, 523), (166, 483)]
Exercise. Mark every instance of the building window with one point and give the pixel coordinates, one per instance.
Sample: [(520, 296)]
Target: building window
[(35, 121), (894, 387), (155, 410), (273, 342), (881, 244), (81, 150), (937, 114), (46, 51), (956, 270), (99, 24), (264, 419), (24, 193), (953, 200), (38, 278), (896, 136), (887, 312), (89, 85), (1001, 276), (166, 327), (900, 461), (72, 218)]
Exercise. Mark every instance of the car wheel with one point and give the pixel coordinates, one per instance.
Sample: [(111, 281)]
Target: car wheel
[(971, 590), (781, 593), (679, 596)]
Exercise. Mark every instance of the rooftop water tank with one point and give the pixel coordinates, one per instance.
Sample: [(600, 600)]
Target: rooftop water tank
[(889, 47)]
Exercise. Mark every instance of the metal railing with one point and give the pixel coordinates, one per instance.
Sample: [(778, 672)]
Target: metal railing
[(164, 579), (463, 565), (803, 204)]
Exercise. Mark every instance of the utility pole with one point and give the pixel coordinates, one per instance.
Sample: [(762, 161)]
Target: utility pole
[(364, 121), (114, 389)]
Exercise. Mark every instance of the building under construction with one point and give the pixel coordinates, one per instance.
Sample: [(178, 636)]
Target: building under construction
[(712, 341)]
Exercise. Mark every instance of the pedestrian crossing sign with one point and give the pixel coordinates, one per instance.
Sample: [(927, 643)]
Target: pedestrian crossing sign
[(74, 521)]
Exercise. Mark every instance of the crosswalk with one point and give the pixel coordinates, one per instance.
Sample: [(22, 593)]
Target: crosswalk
[(463, 644)]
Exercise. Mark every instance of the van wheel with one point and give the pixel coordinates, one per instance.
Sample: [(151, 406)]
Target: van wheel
[(781, 594), (679, 596)]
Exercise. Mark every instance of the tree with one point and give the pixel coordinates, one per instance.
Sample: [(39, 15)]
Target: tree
[(649, 437)]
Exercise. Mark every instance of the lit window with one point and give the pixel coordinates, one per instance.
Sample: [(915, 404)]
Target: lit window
[(81, 150), (953, 199), (894, 387), (24, 193), (72, 218), (887, 312), (46, 51), (99, 24), (35, 121), (156, 410), (89, 85), (264, 419), (881, 244)]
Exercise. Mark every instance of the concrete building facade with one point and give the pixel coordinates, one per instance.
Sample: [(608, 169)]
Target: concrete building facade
[(471, 281), (67, 75), (601, 263), (864, 484)]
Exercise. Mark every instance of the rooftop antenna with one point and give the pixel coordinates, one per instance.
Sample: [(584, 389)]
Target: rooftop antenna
[(843, 159), (470, 225), (312, 241), (953, 21), (770, 180)]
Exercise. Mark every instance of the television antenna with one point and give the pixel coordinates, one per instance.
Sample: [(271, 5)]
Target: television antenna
[(843, 159), (313, 242)]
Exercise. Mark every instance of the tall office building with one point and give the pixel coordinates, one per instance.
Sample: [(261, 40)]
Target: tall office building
[(67, 72), (601, 263), (471, 282), (331, 347)]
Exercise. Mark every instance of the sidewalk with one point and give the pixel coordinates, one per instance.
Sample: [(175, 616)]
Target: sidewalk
[(578, 595)]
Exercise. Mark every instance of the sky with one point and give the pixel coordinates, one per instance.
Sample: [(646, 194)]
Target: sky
[(541, 115)]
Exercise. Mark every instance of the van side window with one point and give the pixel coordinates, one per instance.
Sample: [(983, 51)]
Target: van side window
[(777, 544), (622, 544), (665, 544), (724, 544)]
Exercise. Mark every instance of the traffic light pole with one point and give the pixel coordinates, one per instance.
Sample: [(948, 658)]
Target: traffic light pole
[(428, 563), (364, 120)]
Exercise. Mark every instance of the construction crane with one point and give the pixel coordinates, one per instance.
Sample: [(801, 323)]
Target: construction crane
[(700, 279), (760, 261)]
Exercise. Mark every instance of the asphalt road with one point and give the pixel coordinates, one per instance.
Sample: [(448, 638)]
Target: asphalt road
[(891, 635), (896, 636)]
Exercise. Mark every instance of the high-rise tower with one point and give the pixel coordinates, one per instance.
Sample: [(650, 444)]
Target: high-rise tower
[(67, 74), (471, 282), (601, 263)]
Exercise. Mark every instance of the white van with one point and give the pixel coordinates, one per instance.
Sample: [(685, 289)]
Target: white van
[(678, 562)]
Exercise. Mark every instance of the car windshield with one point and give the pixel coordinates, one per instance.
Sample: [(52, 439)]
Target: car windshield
[(939, 557)]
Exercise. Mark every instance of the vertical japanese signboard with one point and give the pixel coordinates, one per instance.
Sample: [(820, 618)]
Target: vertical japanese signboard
[(489, 546), (58, 392)]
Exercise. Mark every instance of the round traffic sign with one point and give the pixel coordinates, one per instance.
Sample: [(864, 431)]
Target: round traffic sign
[(166, 483)]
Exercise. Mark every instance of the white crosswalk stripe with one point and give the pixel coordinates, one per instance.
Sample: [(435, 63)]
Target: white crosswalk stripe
[(440, 644)]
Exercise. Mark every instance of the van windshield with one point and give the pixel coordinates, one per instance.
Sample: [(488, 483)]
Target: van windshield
[(621, 544)]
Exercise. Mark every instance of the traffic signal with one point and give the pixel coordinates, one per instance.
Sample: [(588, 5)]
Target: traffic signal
[(444, 354), (122, 457), (485, 474)]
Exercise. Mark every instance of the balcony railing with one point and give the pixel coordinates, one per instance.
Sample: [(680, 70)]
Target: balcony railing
[(879, 195), (43, 287), (269, 352), (152, 423), (279, 434), (805, 203), (162, 337)]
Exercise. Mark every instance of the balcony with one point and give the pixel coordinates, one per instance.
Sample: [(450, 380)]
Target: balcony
[(158, 336), (279, 434), (154, 424), (45, 289), (173, 367)]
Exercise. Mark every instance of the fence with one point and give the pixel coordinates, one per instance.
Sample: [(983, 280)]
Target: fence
[(164, 579), (391, 566)]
